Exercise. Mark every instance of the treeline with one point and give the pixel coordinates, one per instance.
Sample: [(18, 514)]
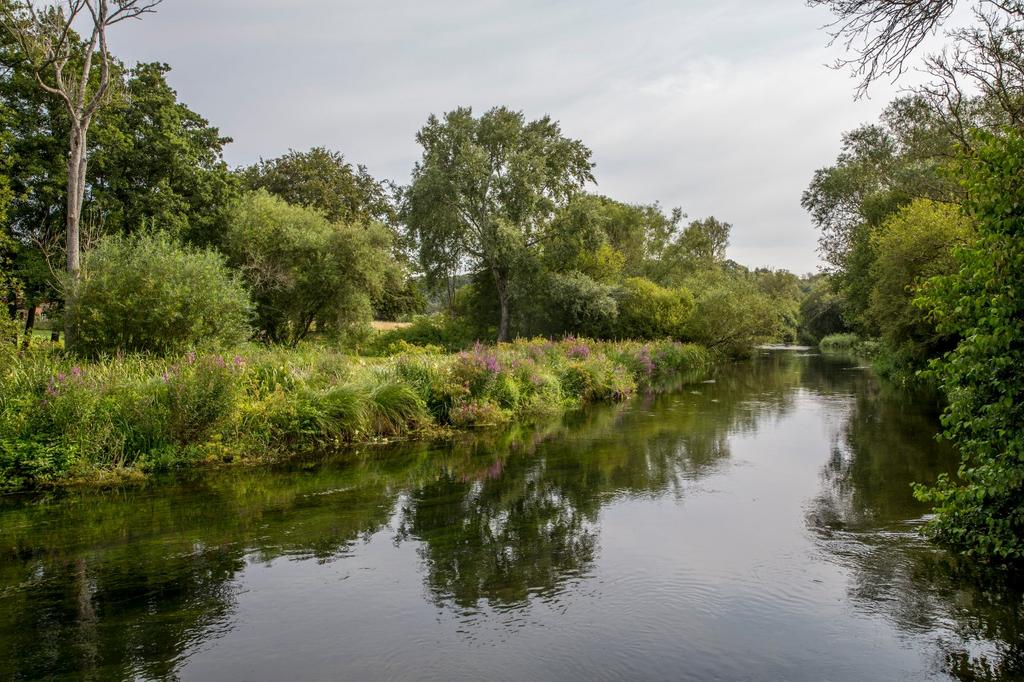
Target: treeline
[(496, 236), (922, 226)]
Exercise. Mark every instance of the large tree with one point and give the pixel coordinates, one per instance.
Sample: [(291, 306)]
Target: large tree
[(487, 189), (156, 163), (64, 66), (322, 179)]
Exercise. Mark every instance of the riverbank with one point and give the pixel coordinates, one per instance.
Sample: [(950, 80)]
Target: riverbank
[(63, 422)]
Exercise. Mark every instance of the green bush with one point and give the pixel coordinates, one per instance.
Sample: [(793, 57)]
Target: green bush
[(839, 343), (148, 293), (981, 510), (575, 303), (649, 311), (732, 315), (305, 272), (434, 333)]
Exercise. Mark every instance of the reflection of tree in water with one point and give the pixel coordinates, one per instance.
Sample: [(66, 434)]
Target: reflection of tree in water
[(500, 539), (865, 518), (120, 585)]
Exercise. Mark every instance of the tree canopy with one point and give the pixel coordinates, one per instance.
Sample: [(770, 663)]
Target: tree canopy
[(486, 191)]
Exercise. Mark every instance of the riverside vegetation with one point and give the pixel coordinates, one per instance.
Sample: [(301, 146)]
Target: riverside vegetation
[(63, 420)]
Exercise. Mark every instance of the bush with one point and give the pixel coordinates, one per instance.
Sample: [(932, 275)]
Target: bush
[(839, 343), (577, 304), (434, 333), (148, 293), (732, 315), (649, 311), (305, 272), (981, 510)]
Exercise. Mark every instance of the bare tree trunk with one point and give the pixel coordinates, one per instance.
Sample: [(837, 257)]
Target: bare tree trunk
[(501, 284), (76, 195)]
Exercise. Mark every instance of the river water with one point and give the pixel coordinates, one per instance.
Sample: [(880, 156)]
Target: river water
[(760, 527)]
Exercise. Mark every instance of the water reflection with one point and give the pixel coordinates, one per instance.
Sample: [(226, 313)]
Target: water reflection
[(138, 583)]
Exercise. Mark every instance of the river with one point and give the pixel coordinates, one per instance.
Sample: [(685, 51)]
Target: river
[(757, 527)]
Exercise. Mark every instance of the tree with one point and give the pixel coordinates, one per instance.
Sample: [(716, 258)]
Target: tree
[(324, 180), (51, 46), (881, 168), (700, 246), (156, 162), (977, 80), (303, 270), (821, 312), (486, 190), (915, 244), (981, 302), (648, 311)]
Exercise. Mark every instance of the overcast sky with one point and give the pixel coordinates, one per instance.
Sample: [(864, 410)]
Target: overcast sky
[(722, 108)]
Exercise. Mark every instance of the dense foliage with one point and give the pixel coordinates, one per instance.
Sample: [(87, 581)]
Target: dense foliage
[(486, 191), (148, 293), (303, 270), (982, 303), (61, 420)]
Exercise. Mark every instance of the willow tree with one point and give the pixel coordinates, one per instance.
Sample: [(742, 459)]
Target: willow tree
[(488, 188), (76, 70)]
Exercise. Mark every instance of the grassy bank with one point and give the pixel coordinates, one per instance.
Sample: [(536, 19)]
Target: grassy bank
[(63, 421)]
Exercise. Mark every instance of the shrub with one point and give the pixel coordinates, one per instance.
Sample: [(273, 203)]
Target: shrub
[(839, 343), (200, 396), (576, 303), (732, 314), (433, 333), (148, 293), (981, 510), (304, 271), (649, 311)]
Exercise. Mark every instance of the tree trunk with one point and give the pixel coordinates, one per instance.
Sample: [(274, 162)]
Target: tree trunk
[(76, 195), (30, 323), (501, 284)]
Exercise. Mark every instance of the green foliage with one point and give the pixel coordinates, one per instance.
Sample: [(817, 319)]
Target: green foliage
[(648, 311), (148, 293), (436, 332), (839, 343), (155, 162), (574, 303), (732, 315), (981, 511), (395, 408), (913, 245), (323, 180), (820, 313), (882, 167), (304, 271), (121, 416), (486, 191)]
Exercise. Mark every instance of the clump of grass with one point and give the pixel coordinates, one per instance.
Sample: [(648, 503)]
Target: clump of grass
[(395, 408), (839, 343)]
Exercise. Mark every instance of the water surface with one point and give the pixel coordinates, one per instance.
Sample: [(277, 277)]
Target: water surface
[(757, 527)]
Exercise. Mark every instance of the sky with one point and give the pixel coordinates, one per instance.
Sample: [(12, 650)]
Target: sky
[(722, 108)]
